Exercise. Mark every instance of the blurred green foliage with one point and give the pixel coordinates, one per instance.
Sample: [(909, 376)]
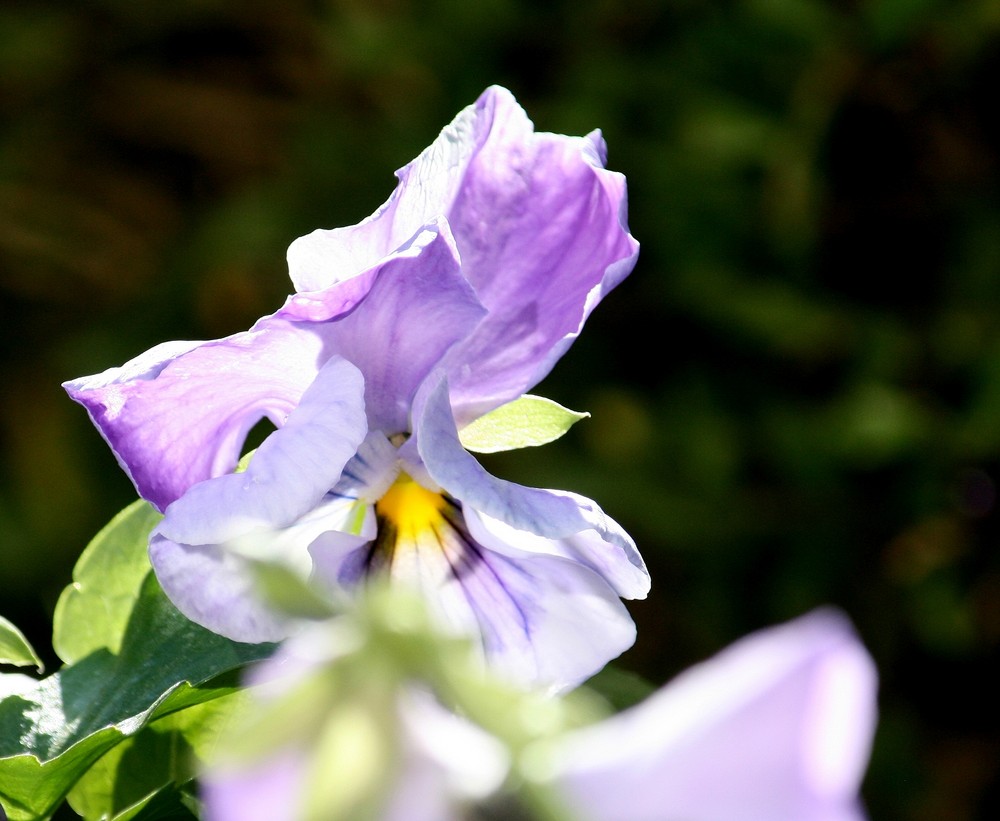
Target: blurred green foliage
[(795, 398)]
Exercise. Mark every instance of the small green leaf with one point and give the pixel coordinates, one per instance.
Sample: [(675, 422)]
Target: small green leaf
[(14, 647), (93, 611), (525, 422)]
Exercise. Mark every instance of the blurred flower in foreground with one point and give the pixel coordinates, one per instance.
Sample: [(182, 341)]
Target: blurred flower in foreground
[(458, 295), (776, 727)]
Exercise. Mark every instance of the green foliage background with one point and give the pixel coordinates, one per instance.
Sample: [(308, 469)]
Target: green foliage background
[(795, 398)]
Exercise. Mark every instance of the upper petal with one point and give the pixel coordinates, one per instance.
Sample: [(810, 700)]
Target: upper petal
[(417, 307), (778, 726), (540, 226), (427, 186), (179, 413), (542, 229)]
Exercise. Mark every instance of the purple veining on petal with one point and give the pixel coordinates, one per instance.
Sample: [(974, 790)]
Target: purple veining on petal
[(549, 513), (541, 619)]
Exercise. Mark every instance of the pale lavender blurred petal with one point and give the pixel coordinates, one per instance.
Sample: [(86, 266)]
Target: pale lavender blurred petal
[(776, 727), (270, 790), (445, 763)]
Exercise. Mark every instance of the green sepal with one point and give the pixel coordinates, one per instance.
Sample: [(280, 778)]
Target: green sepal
[(525, 422), (15, 649)]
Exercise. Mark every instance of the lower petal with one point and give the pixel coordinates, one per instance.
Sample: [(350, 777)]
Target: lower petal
[(214, 588), (541, 620), (550, 514)]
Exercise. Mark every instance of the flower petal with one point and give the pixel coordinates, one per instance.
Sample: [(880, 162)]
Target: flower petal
[(445, 762), (179, 413), (427, 186), (551, 514), (417, 308), (546, 621), (270, 790), (542, 230), (542, 620), (777, 726), (540, 226), (214, 587), (628, 580), (290, 472)]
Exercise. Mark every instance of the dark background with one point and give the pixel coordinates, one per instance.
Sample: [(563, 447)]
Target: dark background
[(795, 397)]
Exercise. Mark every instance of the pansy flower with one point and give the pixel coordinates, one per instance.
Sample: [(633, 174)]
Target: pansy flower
[(453, 299)]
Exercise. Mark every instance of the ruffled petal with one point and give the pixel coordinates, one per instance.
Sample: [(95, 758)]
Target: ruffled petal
[(551, 514), (542, 229), (778, 726), (427, 187), (540, 226), (628, 580), (290, 472), (179, 413), (419, 305)]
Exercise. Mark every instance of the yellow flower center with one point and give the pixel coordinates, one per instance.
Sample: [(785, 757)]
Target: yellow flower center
[(410, 509)]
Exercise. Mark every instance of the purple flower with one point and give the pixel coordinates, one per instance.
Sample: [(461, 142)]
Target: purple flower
[(457, 296), (778, 726)]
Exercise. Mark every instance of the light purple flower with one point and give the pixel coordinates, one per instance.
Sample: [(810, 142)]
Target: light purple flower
[(457, 296), (776, 727)]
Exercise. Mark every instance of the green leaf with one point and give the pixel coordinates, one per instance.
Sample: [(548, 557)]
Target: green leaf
[(140, 777), (15, 649), (167, 804), (525, 422), (92, 612), (51, 735)]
